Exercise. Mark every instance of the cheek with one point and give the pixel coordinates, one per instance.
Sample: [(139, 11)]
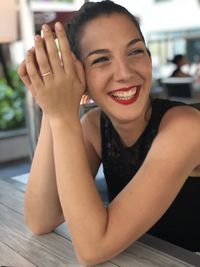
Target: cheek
[(147, 70), (94, 82), (146, 73), (92, 85)]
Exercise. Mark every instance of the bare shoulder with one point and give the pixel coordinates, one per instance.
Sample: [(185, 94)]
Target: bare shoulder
[(179, 132), (92, 116), (182, 118), (91, 121)]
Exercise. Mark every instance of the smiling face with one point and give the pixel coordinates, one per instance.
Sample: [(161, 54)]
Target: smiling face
[(117, 66)]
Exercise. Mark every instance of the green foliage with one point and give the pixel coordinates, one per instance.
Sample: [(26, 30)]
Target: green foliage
[(12, 102)]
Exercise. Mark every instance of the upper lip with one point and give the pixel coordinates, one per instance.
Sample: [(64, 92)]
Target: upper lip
[(124, 89)]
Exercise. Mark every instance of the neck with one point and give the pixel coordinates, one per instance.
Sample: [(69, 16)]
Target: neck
[(131, 131)]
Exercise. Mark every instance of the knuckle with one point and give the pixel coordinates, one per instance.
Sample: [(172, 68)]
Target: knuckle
[(44, 64), (21, 73), (33, 75), (64, 49)]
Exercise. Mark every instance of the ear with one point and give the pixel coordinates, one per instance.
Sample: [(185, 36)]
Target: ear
[(86, 98)]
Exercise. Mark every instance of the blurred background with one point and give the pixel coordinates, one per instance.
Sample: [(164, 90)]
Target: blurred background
[(170, 27)]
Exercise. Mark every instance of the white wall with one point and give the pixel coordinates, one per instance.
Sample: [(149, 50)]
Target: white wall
[(168, 15), (165, 16)]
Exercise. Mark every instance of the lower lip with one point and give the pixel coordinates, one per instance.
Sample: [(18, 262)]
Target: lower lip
[(129, 101)]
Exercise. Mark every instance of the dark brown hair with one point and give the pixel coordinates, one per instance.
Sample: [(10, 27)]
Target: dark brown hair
[(90, 11)]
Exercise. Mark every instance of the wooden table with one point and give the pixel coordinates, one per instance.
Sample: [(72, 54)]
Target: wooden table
[(19, 248)]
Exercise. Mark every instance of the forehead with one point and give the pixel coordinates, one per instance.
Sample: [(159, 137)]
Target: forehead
[(108, 30)]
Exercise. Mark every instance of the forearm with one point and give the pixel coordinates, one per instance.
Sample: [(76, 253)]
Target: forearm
[(42, 206), (81, 203)]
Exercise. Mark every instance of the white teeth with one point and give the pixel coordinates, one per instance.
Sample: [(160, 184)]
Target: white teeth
[(125, 95)]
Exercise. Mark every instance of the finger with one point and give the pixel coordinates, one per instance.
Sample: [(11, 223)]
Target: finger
[(36, 62), (42, 60), (33, 71), (52, 49), (64, 48), (22, 72)]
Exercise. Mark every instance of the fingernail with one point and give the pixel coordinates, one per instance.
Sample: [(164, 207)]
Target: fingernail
[(45, 27), (37, 38), (42, 33), (58, 26)]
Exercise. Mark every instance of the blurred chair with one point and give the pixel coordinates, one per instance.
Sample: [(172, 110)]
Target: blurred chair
[(178, 87)]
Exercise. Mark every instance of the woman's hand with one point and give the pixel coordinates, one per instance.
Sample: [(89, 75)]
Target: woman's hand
[(56, 82)]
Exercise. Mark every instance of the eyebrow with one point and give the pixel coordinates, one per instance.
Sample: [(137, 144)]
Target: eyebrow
[(103, 51), (134, 41)]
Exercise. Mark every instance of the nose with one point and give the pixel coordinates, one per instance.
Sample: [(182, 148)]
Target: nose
[(122, 70)]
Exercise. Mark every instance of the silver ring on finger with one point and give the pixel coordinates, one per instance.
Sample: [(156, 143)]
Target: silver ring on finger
[(46, 74)]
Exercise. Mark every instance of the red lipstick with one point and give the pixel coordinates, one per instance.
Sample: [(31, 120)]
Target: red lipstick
[(126, 99)]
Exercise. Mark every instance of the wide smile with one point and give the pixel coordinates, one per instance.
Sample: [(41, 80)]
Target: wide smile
[(125, 96)]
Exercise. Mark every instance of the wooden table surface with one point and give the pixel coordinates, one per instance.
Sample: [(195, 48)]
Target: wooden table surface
[(19, 248)]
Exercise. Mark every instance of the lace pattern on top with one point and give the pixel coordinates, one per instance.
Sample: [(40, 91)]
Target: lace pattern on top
[(121, 163)]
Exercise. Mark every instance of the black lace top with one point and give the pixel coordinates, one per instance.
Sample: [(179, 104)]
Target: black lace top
[(181, 223)]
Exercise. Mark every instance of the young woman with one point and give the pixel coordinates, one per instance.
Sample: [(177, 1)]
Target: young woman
[(148, 148)]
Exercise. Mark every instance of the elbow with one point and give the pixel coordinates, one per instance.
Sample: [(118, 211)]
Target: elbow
[(42, 225), (92, 256), (39, 231), (38, 228), (89, 260)]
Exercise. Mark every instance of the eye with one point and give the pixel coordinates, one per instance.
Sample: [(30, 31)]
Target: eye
[(100, 60), (136, 52)]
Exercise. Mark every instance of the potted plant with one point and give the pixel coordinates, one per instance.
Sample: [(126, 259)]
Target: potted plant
[(12, 99), (13, 133)]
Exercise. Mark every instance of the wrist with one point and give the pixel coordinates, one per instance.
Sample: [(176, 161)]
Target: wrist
[(65, 123)]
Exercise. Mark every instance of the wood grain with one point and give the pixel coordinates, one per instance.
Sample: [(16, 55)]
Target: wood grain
[(18, 247), (9, 257)]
